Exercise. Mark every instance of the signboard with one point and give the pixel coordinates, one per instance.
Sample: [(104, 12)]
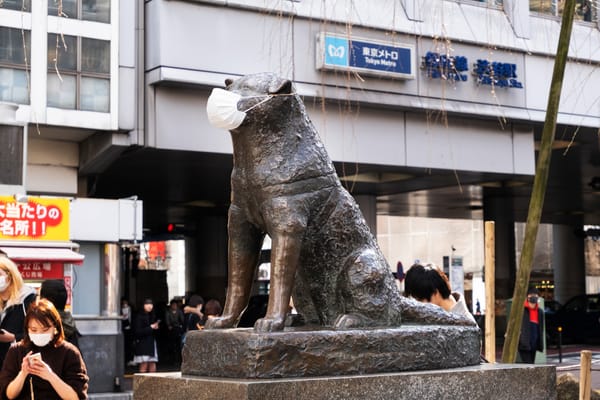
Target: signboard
[(335, 52), (41, 270), (445, 67), (457, 276), (497, 73), (36, 218)]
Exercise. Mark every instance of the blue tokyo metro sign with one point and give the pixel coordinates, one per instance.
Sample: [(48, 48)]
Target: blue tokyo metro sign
[(365, 56)]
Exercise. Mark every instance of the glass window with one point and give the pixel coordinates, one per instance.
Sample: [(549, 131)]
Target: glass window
[(12, 48), (95, 56), (585, 10), (13, 86), (89, 10), (20, 5), (69, 8), (15, 53), (62, 52), (95, 10), (62, 91), (83, 78), (95, 94), (542, 6)]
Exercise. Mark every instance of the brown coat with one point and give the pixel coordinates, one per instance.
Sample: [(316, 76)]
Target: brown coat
[(65, 360)]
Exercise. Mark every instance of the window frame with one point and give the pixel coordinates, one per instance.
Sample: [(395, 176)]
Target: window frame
[(78, 73)]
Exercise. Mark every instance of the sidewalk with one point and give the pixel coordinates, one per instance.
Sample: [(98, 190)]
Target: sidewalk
[(568, 361)]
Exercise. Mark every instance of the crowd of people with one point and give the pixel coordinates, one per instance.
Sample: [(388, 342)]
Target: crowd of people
[(152, 334)]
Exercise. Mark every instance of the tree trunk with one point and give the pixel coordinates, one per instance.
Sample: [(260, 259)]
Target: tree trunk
[(536, 203)]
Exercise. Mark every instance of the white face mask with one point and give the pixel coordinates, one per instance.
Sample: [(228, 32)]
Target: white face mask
[(222, 109), (41, 339), (3, 283)]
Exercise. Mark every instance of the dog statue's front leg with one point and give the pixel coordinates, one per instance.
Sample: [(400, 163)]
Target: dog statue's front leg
[(287, 226), (245, 241), (285, 252)]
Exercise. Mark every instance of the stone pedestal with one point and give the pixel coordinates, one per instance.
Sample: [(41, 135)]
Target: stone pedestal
[(244, 353), (480, 382)]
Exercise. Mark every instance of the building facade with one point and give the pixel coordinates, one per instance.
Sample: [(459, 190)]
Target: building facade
[(427, 108)]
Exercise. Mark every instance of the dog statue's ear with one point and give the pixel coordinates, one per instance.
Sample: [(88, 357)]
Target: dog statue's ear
[(228, 82), (283, 86)]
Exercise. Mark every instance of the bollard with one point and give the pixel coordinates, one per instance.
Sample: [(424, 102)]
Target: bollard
[(585, 375), (559, 329)]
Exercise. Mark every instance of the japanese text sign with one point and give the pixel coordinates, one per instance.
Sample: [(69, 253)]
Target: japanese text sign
[(369, 57), (38, 218), (442, 66), (496, 73), (41, 270)]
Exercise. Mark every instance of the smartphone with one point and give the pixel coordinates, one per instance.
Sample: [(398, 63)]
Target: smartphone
[(33, 357)]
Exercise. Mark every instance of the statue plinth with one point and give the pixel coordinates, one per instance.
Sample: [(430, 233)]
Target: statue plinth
[(477, 382), (246, 354)]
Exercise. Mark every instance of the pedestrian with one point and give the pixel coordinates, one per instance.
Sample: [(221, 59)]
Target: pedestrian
[(145, 326), (15, 298), (174, 321), (126, 328), (43, 364), (428, 284), (212, 309), (193, 313), (55, 291), (530, 339)]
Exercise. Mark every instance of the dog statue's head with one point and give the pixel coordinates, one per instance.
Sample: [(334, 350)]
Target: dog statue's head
[(250, 99)]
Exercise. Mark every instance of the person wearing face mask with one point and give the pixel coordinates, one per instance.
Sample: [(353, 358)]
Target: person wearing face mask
[(530, 340), (43, 365), (15, 297)]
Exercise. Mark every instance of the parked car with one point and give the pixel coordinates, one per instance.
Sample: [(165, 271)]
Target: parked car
[(579, 319)]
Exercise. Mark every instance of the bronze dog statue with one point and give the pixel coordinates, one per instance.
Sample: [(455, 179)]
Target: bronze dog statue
[(285, 185)]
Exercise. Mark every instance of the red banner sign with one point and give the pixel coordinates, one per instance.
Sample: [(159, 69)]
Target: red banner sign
[(41, 270)]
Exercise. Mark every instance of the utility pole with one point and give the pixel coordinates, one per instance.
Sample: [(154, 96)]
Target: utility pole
[(536, 203)]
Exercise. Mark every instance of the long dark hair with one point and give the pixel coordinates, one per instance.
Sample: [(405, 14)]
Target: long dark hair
[(46, 314)]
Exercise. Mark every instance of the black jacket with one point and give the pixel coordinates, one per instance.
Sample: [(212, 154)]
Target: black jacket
[(144, 334), (14, 320), (526, 334)]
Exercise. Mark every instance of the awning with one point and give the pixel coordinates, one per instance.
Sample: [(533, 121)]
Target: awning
[(42, 254)]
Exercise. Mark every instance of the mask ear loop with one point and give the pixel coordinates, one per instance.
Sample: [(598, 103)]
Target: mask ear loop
[(259, 103), (269, 97)]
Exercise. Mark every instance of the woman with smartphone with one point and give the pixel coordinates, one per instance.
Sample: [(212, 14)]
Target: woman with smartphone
[(145, 326), (15, 297), (43, 365)]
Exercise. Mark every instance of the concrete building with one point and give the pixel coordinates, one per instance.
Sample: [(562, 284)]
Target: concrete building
[(437, 113)]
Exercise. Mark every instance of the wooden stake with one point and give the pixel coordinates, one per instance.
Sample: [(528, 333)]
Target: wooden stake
[(490, 295), (585, 375)]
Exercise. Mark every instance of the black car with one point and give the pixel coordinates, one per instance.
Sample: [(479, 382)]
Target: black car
[(579, 319)]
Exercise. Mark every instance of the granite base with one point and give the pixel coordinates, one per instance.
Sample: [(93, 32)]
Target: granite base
[(480, 382)]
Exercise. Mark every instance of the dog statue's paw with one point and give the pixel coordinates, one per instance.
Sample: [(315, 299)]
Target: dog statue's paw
[(269, 324), (219, 323)]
